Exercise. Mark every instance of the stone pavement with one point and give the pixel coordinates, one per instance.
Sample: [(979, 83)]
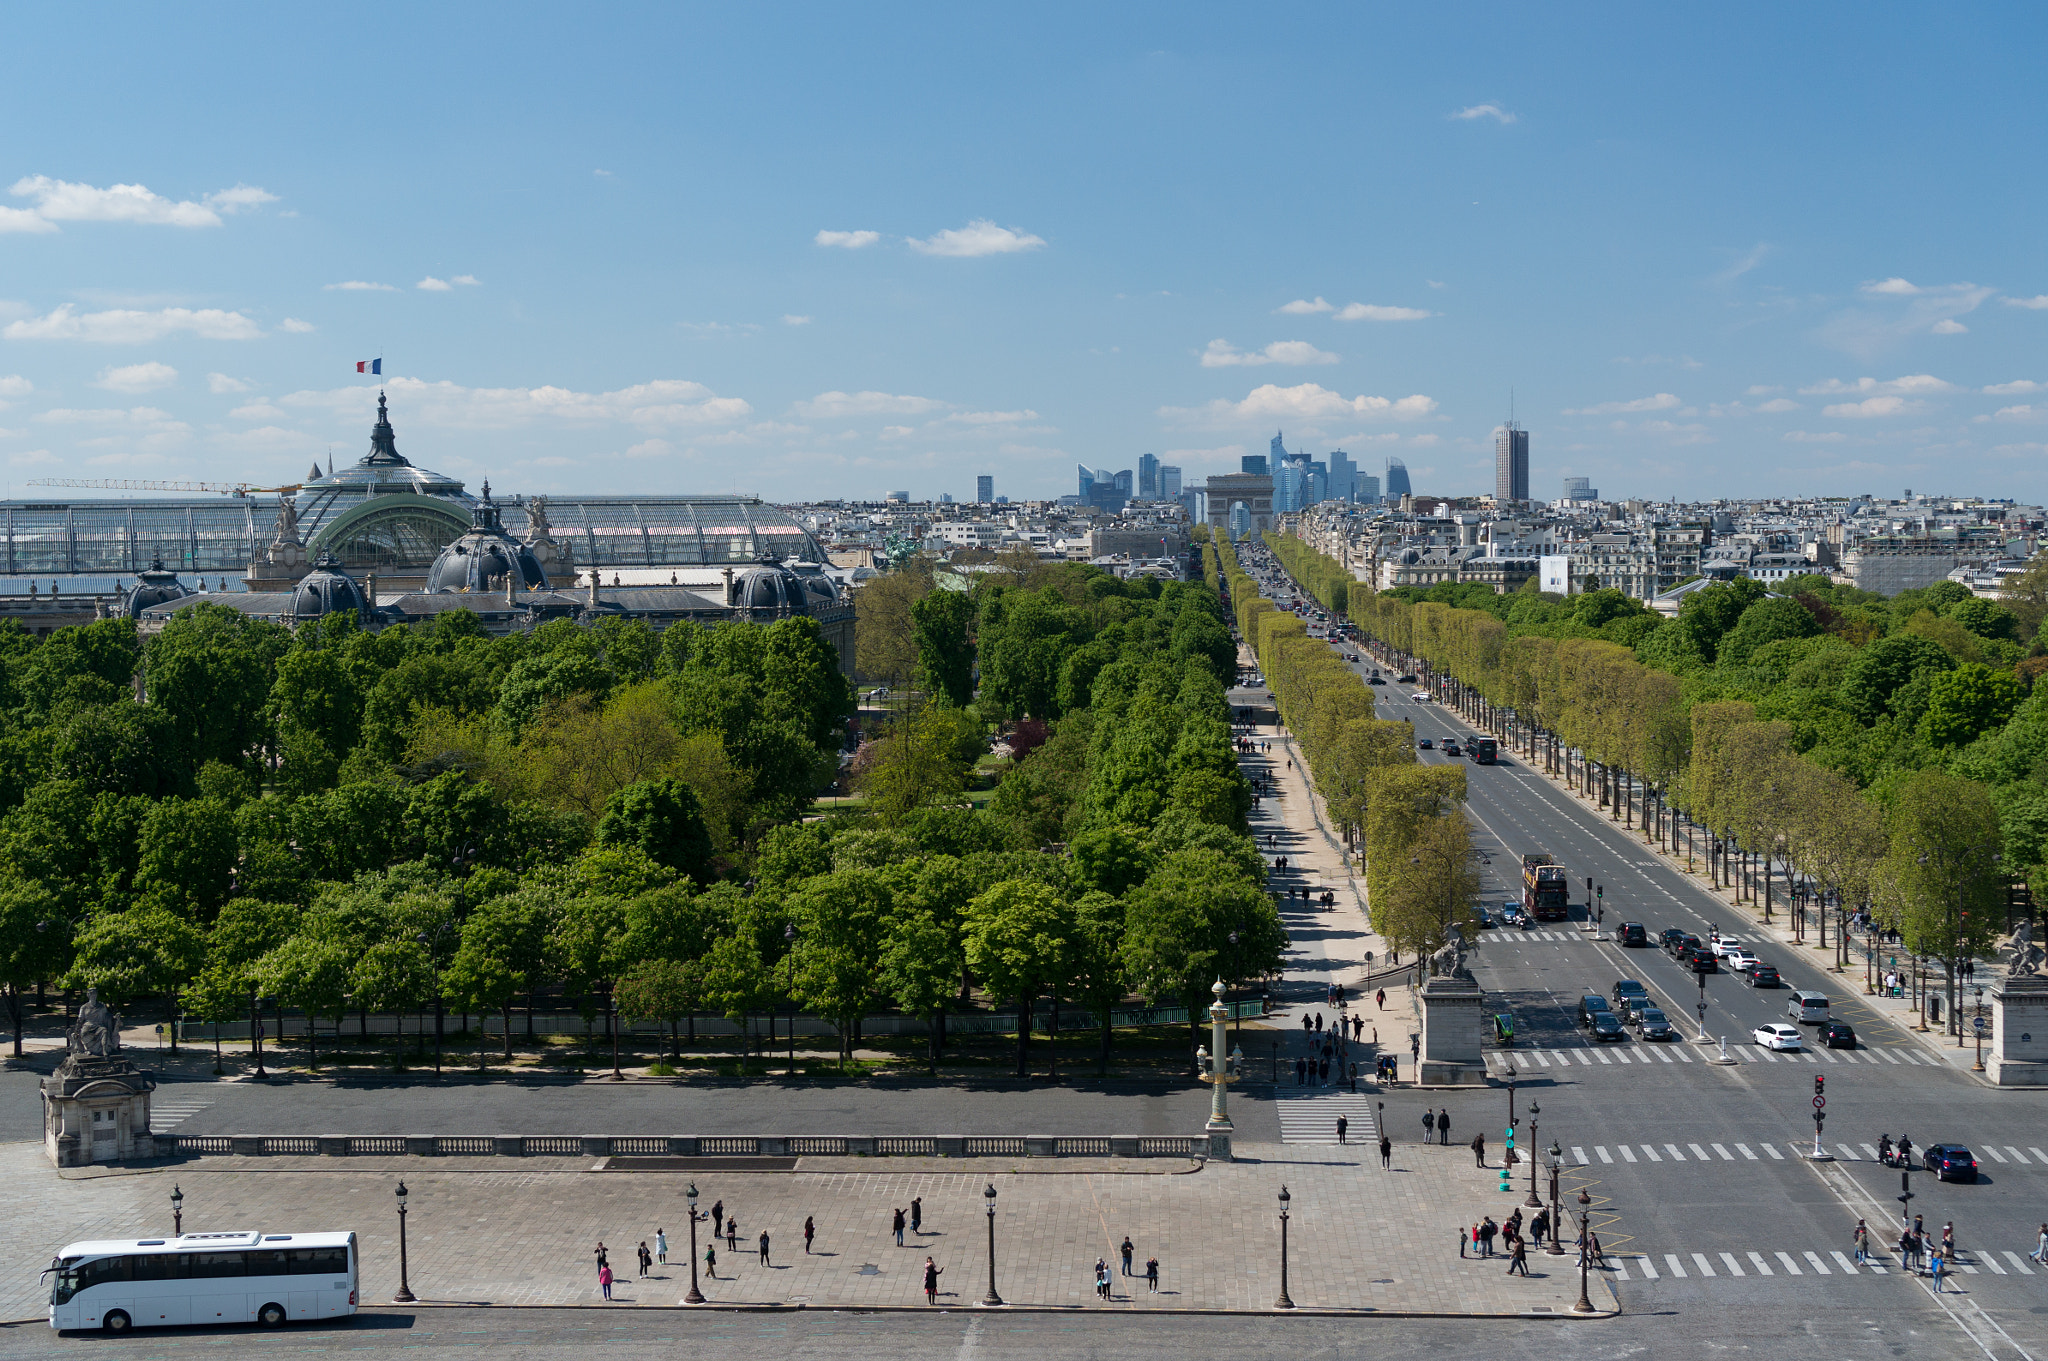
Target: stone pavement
[(1360, 1237)]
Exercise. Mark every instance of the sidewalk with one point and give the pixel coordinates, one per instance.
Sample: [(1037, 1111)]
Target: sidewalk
[(1359, 1237)]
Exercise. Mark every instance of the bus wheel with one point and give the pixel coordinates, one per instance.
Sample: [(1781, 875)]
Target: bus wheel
[(271, 1316), (115, 1321)]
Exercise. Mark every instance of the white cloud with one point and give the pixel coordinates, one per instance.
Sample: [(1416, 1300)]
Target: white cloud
[(467, 281), (1948, 326), (137, 377), (1910, 385), (296, 327), (1927, 309), (1778, 404), (979, 237), (2014, 388), (1815, 436), (259, 411), (895, 432), (1893, 287), (358, 286), (1221, 354), (1476, 111), (832, 406), (1301, 307), (14, 385), (1871, 408), (1305, 402), (432, 285), (124, 327), (2037, 303), (1366, 311), (661, 404), (983, 418), (1663, 401), (791, 319), (1761, 390), (220, 384), (847, 240), (63, 201), (2014, 413)]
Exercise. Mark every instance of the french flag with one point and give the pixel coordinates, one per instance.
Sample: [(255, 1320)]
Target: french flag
[(369, 366)]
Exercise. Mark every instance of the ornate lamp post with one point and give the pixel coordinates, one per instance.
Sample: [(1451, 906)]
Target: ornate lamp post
[(1283, 1302), (695, 1296), (177, 1213), (1977, 1028), (404, 1295), (1219, 1071), (1556, 1209), (1585, 1305), (1534, 1201), (989, 1199)]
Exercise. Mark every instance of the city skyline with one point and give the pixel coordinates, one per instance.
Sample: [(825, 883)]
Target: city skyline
[(682, 271)]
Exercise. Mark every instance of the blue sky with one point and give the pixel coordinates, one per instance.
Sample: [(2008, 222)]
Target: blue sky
[(816, 251)]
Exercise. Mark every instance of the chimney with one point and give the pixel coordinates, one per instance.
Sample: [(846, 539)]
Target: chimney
[(728, 587), (593, 588), (370, 589), (511, 577)]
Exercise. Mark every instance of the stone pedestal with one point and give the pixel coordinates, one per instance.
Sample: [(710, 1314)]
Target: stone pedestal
[(1450, 1033), (96, 1110), (2017, 1055)]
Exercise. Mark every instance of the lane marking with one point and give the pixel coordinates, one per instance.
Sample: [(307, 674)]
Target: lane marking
[(1762, 1267), (1791, 1267), (1700, 1260), (1728, 1258), (1743, 1149), (1671, 1260)]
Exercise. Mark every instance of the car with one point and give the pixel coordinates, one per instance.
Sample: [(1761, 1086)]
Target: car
[(1351, 656), (1408, 679), (1632, 934), (1763, 975), (1451, 748), (1724, 946), (1651, 1024), (1591, 1005), (1427, 744), (1740, 960), (1511, 914), (1606, 1026), (1671, 936), (1678, 942), (1776, 1035), (1809, 1007), (1838, 1035), (1629, 994), (1376, 680), (1420, 696), (1949, 1162), (1479, 917), (1699, 959)]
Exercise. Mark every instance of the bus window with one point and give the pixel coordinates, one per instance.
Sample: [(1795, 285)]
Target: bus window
[(156, 1266), (208, 1264), (319, 1262)]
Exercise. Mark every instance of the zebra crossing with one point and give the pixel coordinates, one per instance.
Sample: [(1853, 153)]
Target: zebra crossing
[(1589, 1056), (1767, 1151), (166, 1115), (1310, 1117), (1832, 1262), (1538, 935)]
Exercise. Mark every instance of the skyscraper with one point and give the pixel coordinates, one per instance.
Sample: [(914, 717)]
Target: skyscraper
[(1169, 482), (985, 489), (1277, 451), (1148, 478), (1366, 489), (1397, 480), (1511, 463), (1253, 465), (1122, 482), (1343, 476)]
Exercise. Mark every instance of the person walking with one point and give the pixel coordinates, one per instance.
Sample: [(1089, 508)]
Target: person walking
[(661, 1247), (711, 1259), (1343, 1129), (1126, 1251), (732, 1234), (917, 1214), (1386, 1154), (1323, 1073), (1487, 1231), (1935, 1267), (1862, 1240), (646, 1258), (1520, 1261), (932, 1272), (764, 1249), (1354, 1079), (1382, 999), (1301, 1072), (810, 1232), (1443, 1125), (2040, 1252), (896, 1227), (1479, 1149), (604, 1280), (1539, 1226), (1152, 1274), (1428, 1125), (717, 1217)]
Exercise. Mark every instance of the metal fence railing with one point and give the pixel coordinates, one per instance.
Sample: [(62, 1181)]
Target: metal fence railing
[(683, 1146)]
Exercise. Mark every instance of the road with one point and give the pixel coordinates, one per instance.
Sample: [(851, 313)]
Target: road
[(1699, 1164)]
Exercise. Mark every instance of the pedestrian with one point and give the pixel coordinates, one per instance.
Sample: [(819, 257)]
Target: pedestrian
[(1479, 1149), (732, 1234), (932, 1272), (917, 1214), (1383, 999), (604, 1280), (810, 1232), (1343, 1125), (764, 1248), (1862, 1239), (711, 1260), (1386, 1153), (1466, 1236), (896, 1227), (1539, 1226), (1323, 1072), (1948, 1240), (1152, 1274), (717, 1217), (1443, 1125), (646, 1258), (1487, 1231), (1301, 1072), (1428, 1125), (1319, 1023), (604, 1257), (2040, 1252), (1520, 1262), (661, 1247), (1101, 1279), (1934, 1269), (1307, 1026), (1125, 1250), (1354, 1079)]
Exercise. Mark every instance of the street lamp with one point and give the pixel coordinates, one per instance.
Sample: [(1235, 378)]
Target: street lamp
[(1584, 1306), (404, 1295), (1283, 1302), (177, 1213), (695, 1296), (1534, 1201), (989, 1199), (1977, 1027), (1556, 1209), (1512, 1076)]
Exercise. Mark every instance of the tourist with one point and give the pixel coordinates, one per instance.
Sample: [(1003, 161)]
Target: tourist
[(810, 1232), (646, 1258), (896, 1227), (932, 1272), (764, 1248), (661, 1247)]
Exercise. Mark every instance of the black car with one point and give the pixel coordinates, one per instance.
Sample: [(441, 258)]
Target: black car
[(1699, 959), (1651, 1024), (1408, 679), (1634, 934), (1376, 679), (1949, 1162), (1838, 1035), (1670, 936), (1629, 994), (1427, 744), (1451, 748), (1591, 1007), (1764, 976), (1683, 945), (1606, 1026)]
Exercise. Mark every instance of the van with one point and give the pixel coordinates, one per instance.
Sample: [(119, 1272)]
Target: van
[(1810, 1007)]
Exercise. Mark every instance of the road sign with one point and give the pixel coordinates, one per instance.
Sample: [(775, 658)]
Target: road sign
[(1819, 1101), (1979, 1024)]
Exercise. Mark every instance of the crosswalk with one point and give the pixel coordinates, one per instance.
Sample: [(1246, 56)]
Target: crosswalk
[(1511, 937), (1522, 1058), (1651, 1266), (1309, 1116), (166, 1114), (1766, 1150)]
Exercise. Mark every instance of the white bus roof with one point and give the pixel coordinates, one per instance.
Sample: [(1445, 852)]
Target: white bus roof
[(203, 1242)]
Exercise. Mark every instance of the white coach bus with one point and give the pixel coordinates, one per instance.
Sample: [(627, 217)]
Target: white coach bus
[(244, 1277)]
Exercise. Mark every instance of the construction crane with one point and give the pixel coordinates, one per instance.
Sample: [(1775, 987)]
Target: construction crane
[(123, 484)]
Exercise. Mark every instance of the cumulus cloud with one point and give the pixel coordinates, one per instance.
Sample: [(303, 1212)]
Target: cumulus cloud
[(791, 319), (1472, 112), (2038, 303), (14, 385), (1663, 401), (661, 404), (125, 327), (1305, 402), (1930, 309), (137, 377), (1221, 354), (830, 406), (1871, 408), (432, 285), (358, 286), (1893, 287), (58, 201), (1354, 311), (847, 240), (296, 327), (1779, 404), (2013, 413), (1302, 307), (1815, 436), (219, 384), (1910, 385), (467, 281), (2014, 388), (977, 238), (1947, 326)]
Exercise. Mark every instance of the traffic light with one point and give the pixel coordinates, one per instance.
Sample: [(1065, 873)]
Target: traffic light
[(1600, 892), (1820, 1085)]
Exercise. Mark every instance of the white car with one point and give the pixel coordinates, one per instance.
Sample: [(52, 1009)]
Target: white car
[(1728, 947), (1776, 1036), (1420, 697), (1740, 959)]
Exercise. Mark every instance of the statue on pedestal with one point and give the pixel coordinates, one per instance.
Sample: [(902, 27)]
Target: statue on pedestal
[(97, 1032), (2026, 956)]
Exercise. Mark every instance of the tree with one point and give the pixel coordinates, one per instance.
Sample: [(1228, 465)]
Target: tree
[(35, 943), (188, 854), (917, 764), (1018, 942), (1939, 883), (311, 974), (317, 706), (210, 669), (834, 967), (921, 961), (885, 636), (1097, 965), (137, 953), (941, 623), (1767, 621), (586, 947), (737, 983), (502, 952), (660, 990), (1884, 667), (1969, 700), (663, 818)]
